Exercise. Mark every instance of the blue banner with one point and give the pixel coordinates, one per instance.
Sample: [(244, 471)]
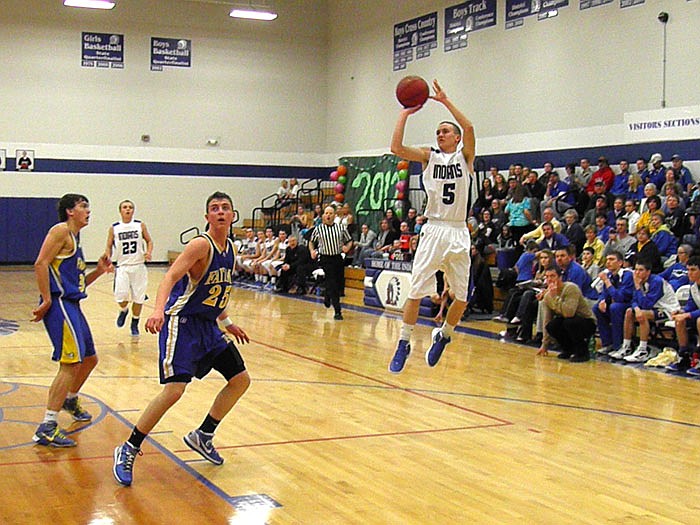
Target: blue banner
[(102, 50), (587, 4), (170, 52), (462, 19), (419, 34), (630, 3), (517, 11), (549, 8)]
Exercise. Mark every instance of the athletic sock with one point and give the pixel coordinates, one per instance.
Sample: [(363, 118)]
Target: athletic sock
[(209, 425), (136, 438), (50, 416), (447, 330), (406, 331)]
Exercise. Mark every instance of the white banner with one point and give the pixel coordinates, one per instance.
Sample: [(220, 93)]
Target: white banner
[(663, 124)]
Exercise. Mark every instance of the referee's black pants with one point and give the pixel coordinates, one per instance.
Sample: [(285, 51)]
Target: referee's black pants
[(334, 269)]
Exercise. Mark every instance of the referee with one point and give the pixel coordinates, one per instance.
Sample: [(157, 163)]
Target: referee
[(329, 240)]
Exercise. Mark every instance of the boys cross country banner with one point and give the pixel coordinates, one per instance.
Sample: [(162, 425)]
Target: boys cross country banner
[(105, 50), (371, 185), (419, 34), (170, 52), (462, 19)]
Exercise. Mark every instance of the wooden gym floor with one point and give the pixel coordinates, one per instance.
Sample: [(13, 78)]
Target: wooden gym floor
[(326, 435)]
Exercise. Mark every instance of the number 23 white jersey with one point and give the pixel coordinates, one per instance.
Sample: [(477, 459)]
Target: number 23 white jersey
[(129, 245), (449, 186)]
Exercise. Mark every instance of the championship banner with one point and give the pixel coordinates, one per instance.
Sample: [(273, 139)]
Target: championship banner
[(663, 124), (549, 8), (371, 185), (518, 10), (170, 52), (419, 34), (462, 19), (587, 4), (630, 3), (104, 50)]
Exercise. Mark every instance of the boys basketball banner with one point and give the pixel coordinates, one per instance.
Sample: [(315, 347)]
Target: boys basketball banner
[(419, 34), (467, 17), (170, 52), (103, 50)]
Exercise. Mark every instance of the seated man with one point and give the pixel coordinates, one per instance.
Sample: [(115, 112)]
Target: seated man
[(247, 253), (613, 302), (295, 269), (652, 299), (568, 318), (677, 273), (552, 240), (690, 314)]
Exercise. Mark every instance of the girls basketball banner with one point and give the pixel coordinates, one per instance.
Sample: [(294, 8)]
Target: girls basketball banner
[(170, 52), (103, 50), (419, 34), (467, 17)]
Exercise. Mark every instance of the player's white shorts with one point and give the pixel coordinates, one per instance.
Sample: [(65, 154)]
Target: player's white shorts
[(130, 281), (443, 246)]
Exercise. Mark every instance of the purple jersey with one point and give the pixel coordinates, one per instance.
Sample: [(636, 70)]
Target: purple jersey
[(209, 296), (67, 274)]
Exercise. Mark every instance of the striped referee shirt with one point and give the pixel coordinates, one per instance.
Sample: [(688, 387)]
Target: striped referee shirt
[(330, 239)]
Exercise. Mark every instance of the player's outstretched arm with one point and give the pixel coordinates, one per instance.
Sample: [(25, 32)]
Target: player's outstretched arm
[(468, 137)]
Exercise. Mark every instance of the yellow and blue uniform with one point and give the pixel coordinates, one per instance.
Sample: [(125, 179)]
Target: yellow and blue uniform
[(190, 339), (65, 322)]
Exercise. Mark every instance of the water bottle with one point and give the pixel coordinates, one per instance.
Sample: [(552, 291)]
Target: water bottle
[(591, 347)]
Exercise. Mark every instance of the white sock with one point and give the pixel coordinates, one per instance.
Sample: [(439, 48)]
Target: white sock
[(50, 416), (627, 343), (642, 345), (71, 395), (406, 331), (447, 330)]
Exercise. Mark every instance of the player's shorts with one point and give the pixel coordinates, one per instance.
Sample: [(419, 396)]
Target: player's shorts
[(130, 282), (277, 265), (246, 264), (443, 246), (69, 332), (190, 346)]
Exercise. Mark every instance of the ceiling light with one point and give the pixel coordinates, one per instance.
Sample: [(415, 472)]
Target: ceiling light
[(253, 11), (91, 4)]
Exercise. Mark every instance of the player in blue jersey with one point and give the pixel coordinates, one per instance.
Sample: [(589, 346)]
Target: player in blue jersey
[(445, 243), (62, 280), (194, 294)]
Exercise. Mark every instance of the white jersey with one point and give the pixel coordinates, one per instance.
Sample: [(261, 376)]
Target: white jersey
[(282, 249), (451, 188), (129, 245)]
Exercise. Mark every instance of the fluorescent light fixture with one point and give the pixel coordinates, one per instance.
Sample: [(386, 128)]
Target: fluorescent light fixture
[(253, 11), (90, 4)]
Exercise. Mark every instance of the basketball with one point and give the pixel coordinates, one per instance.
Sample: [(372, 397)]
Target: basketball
[(412, 91)]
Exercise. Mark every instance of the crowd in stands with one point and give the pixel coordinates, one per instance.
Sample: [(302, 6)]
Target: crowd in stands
[(597, 227)]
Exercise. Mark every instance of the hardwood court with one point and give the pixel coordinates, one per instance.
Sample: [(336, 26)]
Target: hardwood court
[(325, 434)]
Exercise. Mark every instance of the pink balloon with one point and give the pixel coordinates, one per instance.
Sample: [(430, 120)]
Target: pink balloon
[(339, 188), (334, 176), (402, 186)]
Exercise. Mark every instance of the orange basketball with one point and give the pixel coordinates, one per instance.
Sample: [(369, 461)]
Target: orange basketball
[(412, 91)]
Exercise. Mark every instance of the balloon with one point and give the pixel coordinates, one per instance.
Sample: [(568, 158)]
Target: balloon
[(339, 197), (334, 176), (402, 186), (403, 174), (339, 188), (401, 196), (398, 211), (342, 170), (402, 165), (342, 179)]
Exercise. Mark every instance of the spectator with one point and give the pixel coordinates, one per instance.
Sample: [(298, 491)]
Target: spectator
[(411, 216), (536, 234), (653, 204), (486, 196), (645, 250), (557, 195), (547, 171), (683, 175), (500, 189), (498, 216), (481, 297), (552, 240), (526, 307), (385, 239), (671, 185), (604, 174), (365, 245), (632, 216), (247, 253), (392, 219), (573, 272), (662, 236), (599, 191), (613, 301), (652, 299), (573, 230), (642, 170), (568, 318), (583, 177), (534, 189), (649, 191), (620, 184), (486, 233), (675, 216), (635, 188), (689, 315), (518, 211), (524, 271), (588, 263), (600, 206), (505, 239), (657, 173), (618, 211), (602, 230), (594, 243), (677, 273), (296, 268), (619, 240)]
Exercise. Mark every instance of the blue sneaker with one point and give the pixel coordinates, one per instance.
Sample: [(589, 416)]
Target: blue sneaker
[(432, 356), (693, 371), (201, 443), (72, 406), (49, 435), (403, 350), (121, 318), (135, 328), (123, 469)]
